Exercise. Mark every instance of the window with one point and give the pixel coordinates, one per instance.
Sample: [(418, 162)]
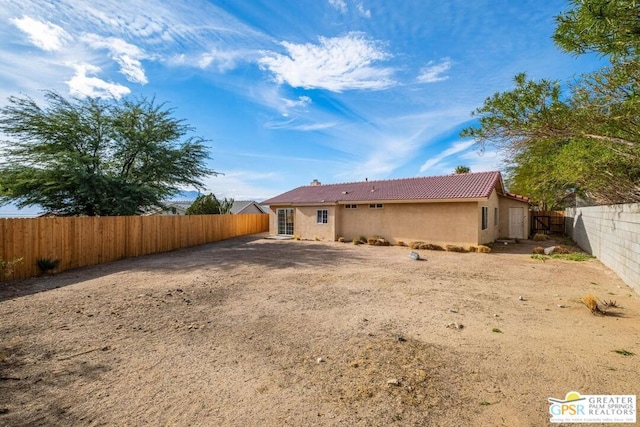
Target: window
[(350, 206), (485, 217), (495, 216), (376, 206), (323, 216)]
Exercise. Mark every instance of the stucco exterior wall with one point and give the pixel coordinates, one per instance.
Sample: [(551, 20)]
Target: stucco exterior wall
[(438, 223), (306, 223), (503, 219), (490, 234)]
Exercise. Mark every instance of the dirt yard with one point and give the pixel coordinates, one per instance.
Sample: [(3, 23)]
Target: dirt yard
[(252, 332)]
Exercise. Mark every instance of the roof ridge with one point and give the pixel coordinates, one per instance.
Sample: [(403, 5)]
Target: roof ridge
[(400, 179)]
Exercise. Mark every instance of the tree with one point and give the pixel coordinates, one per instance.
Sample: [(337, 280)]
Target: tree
[(608, 27), (583, 136), (96, 157), (209, 204), (462, 169)]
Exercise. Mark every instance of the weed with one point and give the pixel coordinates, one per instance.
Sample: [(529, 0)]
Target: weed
[(597, 306), (7, 267), (540, 257), (355, 241), (624, 352), (47, 265), (576, 256), (496, 330), (539, 237)]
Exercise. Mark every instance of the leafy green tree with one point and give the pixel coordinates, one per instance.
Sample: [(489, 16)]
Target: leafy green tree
[(209, 204), (607, 27), (583, 136), (95, 157), (462, 169)]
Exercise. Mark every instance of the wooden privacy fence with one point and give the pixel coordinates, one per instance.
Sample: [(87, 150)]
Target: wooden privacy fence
[(82, 241), (547, 222)]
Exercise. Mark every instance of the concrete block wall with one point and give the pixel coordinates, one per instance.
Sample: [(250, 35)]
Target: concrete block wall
[(612, 234)]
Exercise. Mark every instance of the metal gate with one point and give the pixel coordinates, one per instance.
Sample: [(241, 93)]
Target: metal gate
[(547, 222)]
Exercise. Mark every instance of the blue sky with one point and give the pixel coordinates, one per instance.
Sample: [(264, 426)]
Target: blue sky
[(291, 91)]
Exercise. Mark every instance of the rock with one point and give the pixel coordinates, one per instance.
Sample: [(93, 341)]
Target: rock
[(414, 255), (562, 306), (400, 338), (521, 298), (393, 381), (453, 310), (319, 360), (549, 250)]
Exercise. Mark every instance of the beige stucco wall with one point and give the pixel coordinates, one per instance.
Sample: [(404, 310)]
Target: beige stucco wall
[(505, 204), (491, 233), (307, 227), (439, 223), (305, 224)]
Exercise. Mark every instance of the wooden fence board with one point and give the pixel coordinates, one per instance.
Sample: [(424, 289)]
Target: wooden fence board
[(83, 241)]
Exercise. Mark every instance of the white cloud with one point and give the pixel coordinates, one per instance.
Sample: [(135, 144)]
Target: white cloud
[(45, 35), (434, 71), (341, 5), (363, 11), (127, 55), (301, 102), (454, 149), (82, 84), (335, 64)]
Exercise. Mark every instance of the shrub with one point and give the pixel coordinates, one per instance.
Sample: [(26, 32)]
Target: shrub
[(538, 250), (47, 265), (561, 250), (401, 243), (7, 267), (377, 241), (432, 247)]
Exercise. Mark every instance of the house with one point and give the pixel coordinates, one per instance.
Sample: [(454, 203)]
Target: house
[(180, 208), (462, 209)]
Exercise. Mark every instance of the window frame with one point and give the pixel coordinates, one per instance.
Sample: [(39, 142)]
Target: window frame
[(495, 217), (376, 206), (322, 216), (351, 206), (485, 218)]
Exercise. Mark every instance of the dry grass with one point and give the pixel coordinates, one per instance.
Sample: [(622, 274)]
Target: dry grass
[(482, 249), (596, 306), (561, 250), (539, 237), (455, 248), (538, 250)]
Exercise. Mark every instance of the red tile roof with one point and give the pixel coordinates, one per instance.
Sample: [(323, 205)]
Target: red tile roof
[(461, 186)]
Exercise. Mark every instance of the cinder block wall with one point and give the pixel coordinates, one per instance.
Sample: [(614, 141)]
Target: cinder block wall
[(612, 234)]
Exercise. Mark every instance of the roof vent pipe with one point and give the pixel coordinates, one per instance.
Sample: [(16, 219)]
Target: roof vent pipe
[(315, 183)]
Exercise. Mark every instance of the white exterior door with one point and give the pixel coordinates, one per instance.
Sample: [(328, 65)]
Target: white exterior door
[(516, 223)]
